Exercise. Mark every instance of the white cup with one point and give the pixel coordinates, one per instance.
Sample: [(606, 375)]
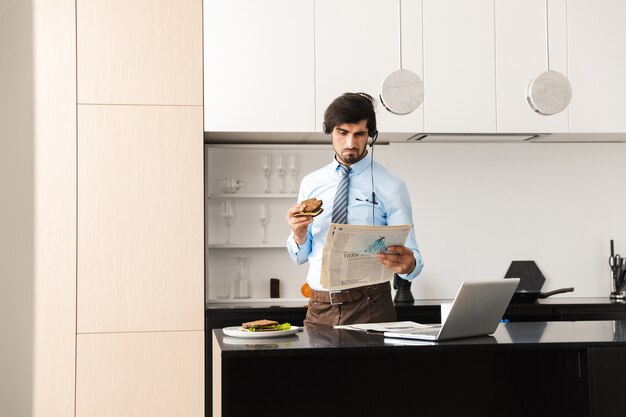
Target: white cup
[(230, 185), (445, 311)]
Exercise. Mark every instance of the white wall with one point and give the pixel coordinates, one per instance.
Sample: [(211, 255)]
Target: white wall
[(16, 208), (477, 207)]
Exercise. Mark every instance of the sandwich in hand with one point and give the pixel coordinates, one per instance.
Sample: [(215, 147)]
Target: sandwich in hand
[(312, 207), (265, 326)]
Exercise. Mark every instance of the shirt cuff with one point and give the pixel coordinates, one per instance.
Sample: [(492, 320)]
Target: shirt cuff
[(292, 245), (409, 276)]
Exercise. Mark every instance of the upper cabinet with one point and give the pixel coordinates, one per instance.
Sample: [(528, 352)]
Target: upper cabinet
[(521, 55), (259, 66), (479, 57), (597, 64), (275, 66), (357, 44), (138, 52), (459, 70)]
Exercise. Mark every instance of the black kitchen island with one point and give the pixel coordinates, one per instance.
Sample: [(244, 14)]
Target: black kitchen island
[(223, 314), (523, 369)]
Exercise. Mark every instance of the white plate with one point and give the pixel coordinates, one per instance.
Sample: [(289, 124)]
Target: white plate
[(238, 331)]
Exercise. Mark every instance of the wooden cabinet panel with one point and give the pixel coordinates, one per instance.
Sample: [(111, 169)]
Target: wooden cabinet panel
[(139, 51), (357, 45), (259, 66), (459, 66), (597, 64), (140, 374), (140, 218)]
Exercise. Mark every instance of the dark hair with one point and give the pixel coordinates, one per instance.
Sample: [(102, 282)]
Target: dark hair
[(351, 108)]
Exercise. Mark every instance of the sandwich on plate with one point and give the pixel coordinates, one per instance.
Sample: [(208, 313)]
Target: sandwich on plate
[(265, 325)]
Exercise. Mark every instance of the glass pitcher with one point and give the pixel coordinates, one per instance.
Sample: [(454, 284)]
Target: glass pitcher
[(242, 283)]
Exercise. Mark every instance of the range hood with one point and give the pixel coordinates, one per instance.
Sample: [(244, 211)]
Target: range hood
[(474, 137), (518, 137), (288, 138)]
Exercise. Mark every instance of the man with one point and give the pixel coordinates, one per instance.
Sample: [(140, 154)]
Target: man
[(350, 120)]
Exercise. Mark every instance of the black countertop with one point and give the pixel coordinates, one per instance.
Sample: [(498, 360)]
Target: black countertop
[(530, 335)]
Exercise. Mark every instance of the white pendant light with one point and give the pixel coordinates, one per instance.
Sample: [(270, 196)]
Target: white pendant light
[(402, 91), (550, 92)]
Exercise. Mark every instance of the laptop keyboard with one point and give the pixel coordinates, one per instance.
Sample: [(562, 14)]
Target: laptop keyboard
[(433, 332)]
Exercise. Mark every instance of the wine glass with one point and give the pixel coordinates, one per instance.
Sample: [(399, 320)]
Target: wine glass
[(228, 215), (264, 216), (280, 166), (292, 172), (267, 170)]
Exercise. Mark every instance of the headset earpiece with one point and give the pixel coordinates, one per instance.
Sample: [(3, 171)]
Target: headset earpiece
[(373, 138)]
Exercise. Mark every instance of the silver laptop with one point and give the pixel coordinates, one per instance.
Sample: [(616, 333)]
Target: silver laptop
[(476, 311)]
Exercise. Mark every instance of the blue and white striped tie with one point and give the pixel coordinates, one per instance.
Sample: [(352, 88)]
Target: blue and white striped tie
[(340, 205)]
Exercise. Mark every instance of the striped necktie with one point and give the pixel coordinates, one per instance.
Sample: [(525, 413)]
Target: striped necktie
[(340, 205)]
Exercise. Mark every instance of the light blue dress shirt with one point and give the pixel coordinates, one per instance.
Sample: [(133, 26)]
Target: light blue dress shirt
[(393, 208)]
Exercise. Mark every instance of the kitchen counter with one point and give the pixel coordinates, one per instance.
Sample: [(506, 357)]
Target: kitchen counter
[(529, 368)]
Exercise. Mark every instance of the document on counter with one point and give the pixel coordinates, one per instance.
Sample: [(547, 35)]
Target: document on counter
[(383, 327), (349, 255)]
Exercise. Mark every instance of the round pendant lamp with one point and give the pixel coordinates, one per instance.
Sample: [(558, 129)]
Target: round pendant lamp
[(402, 91), (550, 92)]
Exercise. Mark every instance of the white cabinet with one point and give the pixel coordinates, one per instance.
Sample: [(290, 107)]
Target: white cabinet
[(597, 64), (521, 55), (459, 66), (357, 45), (259, 66), (275, 66), (478, 59)]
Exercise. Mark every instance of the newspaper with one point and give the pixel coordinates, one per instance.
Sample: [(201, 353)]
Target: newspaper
[(390, 326), (349, 255)]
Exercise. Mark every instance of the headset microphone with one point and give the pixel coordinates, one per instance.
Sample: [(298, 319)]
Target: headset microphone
[(374, 137)]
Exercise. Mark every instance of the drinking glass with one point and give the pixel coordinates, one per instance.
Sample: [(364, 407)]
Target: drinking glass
[(292, 172), (265, 218), (223, 289), (228, 215), (280, 167), (267, 170)]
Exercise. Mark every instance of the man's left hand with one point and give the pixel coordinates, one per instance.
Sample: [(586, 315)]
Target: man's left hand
[(399, 259)]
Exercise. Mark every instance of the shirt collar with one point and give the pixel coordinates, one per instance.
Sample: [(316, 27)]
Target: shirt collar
[(356, 168)]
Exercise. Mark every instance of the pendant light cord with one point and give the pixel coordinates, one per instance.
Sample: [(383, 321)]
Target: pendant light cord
[(547, 38), (400, 30)]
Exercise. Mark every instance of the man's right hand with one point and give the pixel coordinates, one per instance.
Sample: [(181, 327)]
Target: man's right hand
[(298, 225)]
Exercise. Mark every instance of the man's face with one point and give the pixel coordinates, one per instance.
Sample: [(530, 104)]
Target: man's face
[(349, 142)]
